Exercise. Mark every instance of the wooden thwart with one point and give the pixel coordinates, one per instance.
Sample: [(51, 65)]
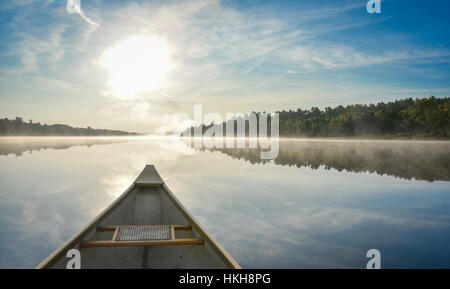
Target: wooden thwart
[(111, 243), (115, 243)]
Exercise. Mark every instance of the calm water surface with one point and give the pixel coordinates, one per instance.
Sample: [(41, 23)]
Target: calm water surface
[(320, 204)]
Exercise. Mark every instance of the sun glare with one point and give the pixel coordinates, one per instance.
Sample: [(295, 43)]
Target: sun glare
[(135, 65)]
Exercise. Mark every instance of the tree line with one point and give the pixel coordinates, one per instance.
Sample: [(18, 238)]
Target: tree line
[(17, 127), (426, 117), (423, 118)]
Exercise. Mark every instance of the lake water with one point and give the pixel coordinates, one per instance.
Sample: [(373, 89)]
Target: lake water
[(319, 204)]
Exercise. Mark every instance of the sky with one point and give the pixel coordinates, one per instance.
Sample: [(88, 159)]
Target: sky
[(132, 65)]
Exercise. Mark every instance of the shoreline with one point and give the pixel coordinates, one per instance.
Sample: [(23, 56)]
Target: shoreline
[(281, 138)]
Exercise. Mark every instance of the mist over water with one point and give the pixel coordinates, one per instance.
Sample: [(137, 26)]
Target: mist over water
[(420, 160), (319, 204), (18, 146)]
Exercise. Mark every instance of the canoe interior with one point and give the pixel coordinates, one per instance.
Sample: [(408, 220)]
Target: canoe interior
[(144, 205)]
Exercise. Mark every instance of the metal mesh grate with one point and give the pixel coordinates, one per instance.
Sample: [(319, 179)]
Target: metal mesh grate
[(142, 233)]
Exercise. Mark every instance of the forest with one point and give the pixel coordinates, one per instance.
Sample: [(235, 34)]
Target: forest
[(404, 118), (17, 127), (426, 117)]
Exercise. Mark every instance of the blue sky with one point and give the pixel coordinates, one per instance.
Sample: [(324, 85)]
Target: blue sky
[(229, 56)]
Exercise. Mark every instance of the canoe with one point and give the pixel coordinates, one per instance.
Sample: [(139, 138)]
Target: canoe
[(146, 227)]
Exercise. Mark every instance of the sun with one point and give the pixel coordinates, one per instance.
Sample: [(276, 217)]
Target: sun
[(135, 65)]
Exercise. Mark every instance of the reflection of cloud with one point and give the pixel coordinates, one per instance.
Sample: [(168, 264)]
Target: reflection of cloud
[(126, 165), (333, 219), (49, 218), (312, 235), (115, 185)]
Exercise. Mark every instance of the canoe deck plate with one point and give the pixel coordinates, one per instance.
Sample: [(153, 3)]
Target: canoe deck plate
[(144, 233)]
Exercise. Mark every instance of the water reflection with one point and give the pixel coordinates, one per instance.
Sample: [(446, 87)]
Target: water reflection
[(420, 160), (19, 145), (47, 196), (266, 216)]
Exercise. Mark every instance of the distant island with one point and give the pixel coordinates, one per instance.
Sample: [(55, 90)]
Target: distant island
[(17, 127), (404, 118)]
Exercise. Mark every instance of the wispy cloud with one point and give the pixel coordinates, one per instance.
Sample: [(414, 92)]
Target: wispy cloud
[(74, 6), (35, 49), (334, 56)]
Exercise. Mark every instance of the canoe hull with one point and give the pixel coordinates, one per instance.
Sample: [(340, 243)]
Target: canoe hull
[(148, 201)]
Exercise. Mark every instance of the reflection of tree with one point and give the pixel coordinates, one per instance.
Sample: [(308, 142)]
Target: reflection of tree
[(18, 146), (428, 161)]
